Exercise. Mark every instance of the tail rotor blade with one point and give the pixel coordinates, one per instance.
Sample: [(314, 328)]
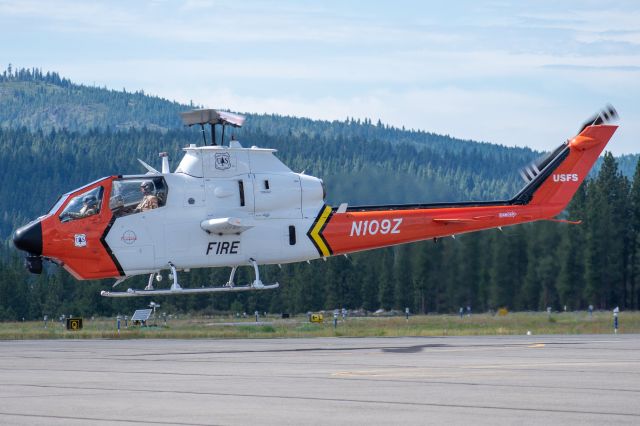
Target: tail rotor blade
[(607, 115)]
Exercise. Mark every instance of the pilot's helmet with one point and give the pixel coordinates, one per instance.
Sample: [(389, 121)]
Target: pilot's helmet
[(90, 200), (147, 187)]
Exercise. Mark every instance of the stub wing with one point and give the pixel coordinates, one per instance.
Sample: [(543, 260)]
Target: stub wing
[(225, 225)]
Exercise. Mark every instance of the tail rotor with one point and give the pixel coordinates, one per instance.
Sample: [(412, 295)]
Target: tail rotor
[(607, 115)]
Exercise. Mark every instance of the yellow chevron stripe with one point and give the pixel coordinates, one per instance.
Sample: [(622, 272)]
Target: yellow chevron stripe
[(315, 232)]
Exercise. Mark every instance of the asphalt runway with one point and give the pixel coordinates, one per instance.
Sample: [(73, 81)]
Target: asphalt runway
[(330, 381)]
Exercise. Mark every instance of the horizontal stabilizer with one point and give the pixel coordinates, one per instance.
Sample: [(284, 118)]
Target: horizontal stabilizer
[(485, 217), (453, 220)]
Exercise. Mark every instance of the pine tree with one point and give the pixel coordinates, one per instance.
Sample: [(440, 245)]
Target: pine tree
[(403, 280), (607, 245), (572, 254), (386, 279), (633, 292), (508, 267)]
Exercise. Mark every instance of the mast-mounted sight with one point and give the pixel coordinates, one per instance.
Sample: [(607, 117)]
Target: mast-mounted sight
[(213, 118)]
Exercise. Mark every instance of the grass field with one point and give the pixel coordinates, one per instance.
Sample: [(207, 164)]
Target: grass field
[(272, 327)]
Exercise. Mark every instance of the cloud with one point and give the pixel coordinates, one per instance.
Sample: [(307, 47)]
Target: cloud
[(596, 19), (203, 22), (630, 37), (76, 16), (489, 71), (576, 67)]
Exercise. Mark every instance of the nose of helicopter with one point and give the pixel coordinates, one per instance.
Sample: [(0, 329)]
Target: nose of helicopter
[(29, 238)]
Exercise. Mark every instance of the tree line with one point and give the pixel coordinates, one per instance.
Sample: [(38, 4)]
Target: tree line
[(524, 267), (56, 135)]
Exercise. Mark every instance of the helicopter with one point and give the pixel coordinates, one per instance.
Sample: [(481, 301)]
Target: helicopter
[(231, 206)]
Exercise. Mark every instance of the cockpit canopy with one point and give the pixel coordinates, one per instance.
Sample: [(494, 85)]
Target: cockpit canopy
[(127, 195), (133, 195)]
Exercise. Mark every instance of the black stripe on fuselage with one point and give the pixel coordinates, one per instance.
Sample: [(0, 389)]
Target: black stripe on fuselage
[(103, 240), (313, 225)]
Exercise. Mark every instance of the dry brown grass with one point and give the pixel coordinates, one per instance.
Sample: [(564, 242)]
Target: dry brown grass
[(225, 327)]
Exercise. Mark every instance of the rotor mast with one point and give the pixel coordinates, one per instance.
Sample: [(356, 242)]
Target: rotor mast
[(213, 118)]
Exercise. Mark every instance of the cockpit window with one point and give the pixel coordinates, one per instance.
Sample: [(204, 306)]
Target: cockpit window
[(63, 198), (84, 205), (135, 195)]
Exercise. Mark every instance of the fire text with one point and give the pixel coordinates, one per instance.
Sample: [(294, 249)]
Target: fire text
[(223, 247)]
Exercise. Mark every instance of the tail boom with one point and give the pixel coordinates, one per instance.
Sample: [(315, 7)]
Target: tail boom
[(369, 227), (363, 230)]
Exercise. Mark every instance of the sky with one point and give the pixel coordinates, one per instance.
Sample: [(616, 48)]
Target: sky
[(525, 73)]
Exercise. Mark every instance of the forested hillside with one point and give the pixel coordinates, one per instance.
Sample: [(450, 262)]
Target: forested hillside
[(56, 135), (360, 162)]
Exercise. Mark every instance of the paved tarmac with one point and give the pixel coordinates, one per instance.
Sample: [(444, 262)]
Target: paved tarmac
[(329, 381)]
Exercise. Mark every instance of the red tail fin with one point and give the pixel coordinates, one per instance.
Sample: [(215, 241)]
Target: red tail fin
[(556, 178), (563, 182)]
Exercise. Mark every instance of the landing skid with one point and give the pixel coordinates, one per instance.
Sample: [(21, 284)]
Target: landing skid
[(176, 289), (172, 292)]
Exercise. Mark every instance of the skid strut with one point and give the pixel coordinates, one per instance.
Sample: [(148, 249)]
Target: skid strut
[(150, 282), (233, 274), (256, 283), (175, 286), (175, 289)]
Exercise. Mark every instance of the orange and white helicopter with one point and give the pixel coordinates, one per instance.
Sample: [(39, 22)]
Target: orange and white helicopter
[(228, 205)]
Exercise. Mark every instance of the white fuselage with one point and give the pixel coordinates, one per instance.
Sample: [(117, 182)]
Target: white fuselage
[(275, 206)]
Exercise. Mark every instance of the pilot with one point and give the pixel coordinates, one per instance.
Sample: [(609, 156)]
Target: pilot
[(89, 207), (149, 201)]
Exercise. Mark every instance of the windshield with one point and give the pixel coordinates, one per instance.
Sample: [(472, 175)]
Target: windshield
[(84, 205), (65, 196)]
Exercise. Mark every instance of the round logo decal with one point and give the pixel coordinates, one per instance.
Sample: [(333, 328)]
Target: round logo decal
[(129, 237)]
